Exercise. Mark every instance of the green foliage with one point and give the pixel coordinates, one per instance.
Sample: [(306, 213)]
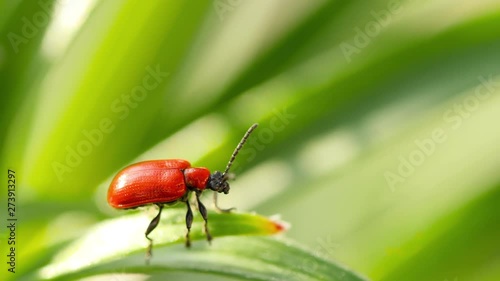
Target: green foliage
[(377, 137), (110, 245)]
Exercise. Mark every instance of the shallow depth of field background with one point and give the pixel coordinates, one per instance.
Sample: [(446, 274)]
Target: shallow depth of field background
[(379, 120)]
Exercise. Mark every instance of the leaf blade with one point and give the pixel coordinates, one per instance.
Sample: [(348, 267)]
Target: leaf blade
[(239, 250), (115, 238)]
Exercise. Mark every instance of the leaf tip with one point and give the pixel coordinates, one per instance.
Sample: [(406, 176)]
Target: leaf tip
[(278, 224)]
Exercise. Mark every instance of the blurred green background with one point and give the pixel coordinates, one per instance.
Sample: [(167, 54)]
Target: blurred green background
[(378, 137)]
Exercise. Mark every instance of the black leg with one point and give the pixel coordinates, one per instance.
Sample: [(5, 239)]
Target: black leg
[(218, 208), (151, 227), (189, 222), (203, 212)]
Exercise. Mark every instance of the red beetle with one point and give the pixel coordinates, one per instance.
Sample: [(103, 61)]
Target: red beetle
[(163, 182)]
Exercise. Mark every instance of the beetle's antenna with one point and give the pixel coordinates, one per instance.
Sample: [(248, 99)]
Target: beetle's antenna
[(238, 147)]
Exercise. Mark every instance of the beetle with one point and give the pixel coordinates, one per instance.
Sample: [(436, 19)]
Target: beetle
[(165, 182)]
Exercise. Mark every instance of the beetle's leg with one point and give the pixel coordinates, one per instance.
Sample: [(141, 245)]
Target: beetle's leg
[(218, 208), (189, 222), (203, 212), (151, 227)]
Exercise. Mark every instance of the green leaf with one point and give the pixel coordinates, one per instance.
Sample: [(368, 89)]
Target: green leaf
[(118, 244), (117, 237), (442, 254)]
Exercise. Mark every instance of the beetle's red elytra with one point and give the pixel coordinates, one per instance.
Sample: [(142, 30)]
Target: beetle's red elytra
[(161, 182), (156, 181)]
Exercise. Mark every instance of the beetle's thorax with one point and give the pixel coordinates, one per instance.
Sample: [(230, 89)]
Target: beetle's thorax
[(196, 178)]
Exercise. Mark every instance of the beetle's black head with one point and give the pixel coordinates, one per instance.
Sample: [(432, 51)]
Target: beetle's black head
[(218, 182)]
